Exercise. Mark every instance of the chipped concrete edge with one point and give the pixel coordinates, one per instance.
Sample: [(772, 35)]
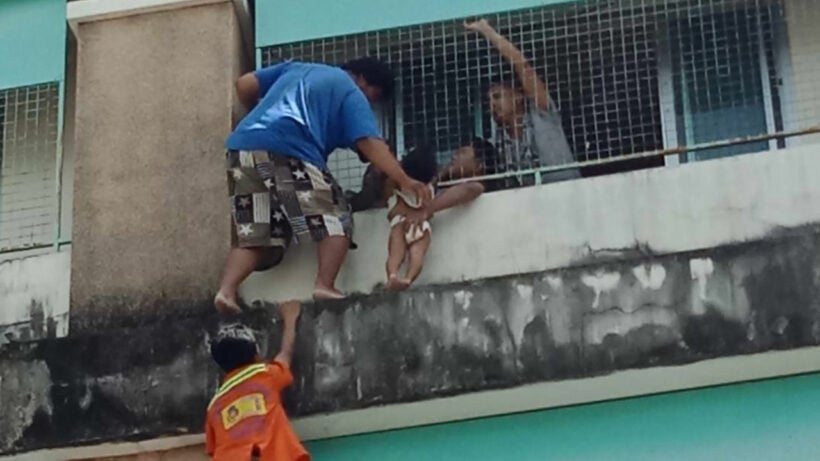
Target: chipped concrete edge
[(619, 385), (83, 11)]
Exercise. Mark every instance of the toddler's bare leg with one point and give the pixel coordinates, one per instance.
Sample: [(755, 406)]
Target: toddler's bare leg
[(418, 250), (396, 252)]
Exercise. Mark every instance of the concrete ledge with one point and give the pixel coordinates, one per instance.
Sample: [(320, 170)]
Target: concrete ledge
[(97, 10), (106, 450)]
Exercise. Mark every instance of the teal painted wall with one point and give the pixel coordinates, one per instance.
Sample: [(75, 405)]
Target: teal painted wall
[(32, 42), (284, 22), (770, 420)]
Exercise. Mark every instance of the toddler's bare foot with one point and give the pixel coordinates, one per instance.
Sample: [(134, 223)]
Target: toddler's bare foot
[(394, 283)]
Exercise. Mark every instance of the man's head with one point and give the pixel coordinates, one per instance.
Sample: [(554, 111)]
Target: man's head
[(234, 346), (420, 164), (506, 103), (373, 77), (475, 158)]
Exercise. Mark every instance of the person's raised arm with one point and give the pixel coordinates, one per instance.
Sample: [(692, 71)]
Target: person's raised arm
[(534, 88), (290, 314)]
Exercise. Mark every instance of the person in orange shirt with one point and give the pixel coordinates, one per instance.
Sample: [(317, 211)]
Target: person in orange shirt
[(245, 419)]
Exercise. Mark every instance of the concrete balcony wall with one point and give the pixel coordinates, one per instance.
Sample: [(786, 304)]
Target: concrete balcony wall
[(577, 223), (620, 320)]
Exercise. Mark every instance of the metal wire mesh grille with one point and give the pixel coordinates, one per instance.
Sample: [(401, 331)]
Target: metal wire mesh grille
[(28, 171), (629, 76)]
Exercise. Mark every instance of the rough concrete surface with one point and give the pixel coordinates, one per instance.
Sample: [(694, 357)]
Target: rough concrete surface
[(193, 453), (34, 296), (154, 104), (153, 376)]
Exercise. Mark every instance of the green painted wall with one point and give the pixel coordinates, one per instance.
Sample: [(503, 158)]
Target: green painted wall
[(284, 22), (770, 420), (32, 42)]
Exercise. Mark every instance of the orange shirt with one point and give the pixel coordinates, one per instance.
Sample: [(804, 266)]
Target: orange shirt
[(246, 416)]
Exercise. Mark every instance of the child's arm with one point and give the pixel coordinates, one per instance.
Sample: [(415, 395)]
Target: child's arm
[(290, 314), (457, 195)]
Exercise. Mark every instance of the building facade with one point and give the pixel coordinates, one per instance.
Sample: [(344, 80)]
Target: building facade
[(684, 258)]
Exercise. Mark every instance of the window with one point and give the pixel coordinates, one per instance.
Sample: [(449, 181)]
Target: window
[(631, 78), (28, 169), (723, 69)]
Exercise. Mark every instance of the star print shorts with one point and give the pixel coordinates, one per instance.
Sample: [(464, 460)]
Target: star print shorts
[(275, 200)]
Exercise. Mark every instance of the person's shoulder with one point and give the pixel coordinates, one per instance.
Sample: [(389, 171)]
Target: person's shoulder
[(278, 367), (332, 77)]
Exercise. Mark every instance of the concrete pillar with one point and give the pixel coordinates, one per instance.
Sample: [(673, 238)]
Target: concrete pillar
[(155, 101)]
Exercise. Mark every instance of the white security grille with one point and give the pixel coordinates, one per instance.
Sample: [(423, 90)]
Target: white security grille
[(28, 168), (634, 79)]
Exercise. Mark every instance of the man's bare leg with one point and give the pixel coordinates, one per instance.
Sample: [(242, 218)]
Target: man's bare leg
[(396, 251), (239, 265), (418, 250), (332, 252)]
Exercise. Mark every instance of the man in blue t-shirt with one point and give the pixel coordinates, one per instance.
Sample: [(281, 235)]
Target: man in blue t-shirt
[(278, 179)]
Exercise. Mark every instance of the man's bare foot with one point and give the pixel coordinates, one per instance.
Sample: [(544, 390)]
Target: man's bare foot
[(394, 283), (324, 294), (225, 304)]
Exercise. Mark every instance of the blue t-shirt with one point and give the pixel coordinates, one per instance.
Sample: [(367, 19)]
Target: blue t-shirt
[(306, 111)]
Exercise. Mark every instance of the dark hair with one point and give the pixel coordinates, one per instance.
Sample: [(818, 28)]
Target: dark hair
[(231, 352), (484, 151), (375, 72), (420, 163)]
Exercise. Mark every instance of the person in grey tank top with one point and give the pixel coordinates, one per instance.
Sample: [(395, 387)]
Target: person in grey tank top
[(531, 133)]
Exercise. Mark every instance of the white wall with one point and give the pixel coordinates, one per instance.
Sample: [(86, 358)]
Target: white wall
[(673, 209), (34, 288)]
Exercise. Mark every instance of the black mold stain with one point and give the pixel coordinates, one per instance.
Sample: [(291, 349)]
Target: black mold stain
[(38, 316), (712, 335)]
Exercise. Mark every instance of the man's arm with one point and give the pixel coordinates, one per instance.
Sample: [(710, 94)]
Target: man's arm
[(290, 314), (247, 89), (534, 87), (379, 155)]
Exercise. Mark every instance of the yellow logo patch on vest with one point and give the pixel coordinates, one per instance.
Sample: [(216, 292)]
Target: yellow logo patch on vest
[(243, 408)]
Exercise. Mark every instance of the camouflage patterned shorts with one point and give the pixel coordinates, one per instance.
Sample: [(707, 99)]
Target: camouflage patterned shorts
[(275, 199)]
